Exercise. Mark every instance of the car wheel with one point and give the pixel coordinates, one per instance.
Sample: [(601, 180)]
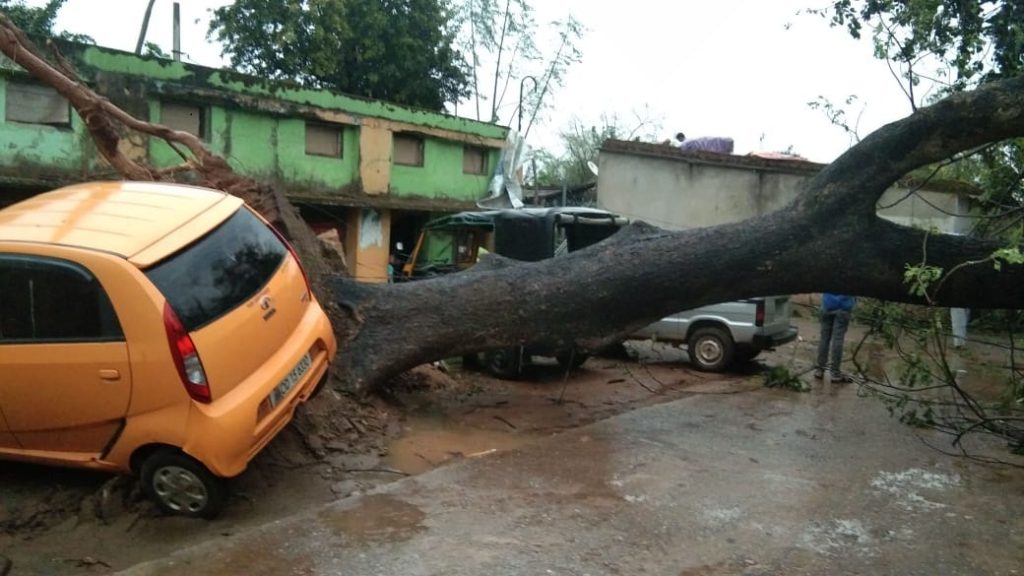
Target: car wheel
[(505, 363), (179, 484), (571, 360), (711, 349)]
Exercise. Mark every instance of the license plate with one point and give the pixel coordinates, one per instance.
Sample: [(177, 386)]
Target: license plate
[(289, 381)]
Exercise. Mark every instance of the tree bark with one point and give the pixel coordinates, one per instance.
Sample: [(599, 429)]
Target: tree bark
[(829, 239)]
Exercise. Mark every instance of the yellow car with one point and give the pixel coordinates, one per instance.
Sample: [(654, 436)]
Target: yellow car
[(160, 330)]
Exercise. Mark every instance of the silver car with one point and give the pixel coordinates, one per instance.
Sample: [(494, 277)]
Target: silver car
[(720, 334)]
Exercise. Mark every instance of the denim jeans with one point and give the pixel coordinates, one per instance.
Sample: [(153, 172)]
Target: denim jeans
[(833, 331)]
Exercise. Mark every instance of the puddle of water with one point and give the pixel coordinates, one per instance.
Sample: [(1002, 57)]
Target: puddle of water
[(377, 518), (428, 442)]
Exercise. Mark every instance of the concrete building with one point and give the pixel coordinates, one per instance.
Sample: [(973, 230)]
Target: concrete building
[(673, 189), (369, 171)]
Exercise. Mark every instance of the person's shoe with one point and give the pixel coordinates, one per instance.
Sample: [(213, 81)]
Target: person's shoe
[(819, 374), (840, 379)]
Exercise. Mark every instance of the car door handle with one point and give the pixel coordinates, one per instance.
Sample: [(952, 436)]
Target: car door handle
[(110, 375)]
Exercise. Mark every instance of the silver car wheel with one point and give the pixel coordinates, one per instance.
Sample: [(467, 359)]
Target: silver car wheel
[(180, 489), (709, 350)]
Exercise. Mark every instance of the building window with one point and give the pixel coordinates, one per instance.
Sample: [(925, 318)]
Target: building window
[(324, 140), (36, 104), (184, 117), (474, 160), (408, 150)]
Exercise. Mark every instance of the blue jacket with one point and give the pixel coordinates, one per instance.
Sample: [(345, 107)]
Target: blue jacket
[(831, 302)]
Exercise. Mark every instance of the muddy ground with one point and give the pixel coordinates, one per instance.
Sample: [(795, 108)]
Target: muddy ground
[(55, 521)]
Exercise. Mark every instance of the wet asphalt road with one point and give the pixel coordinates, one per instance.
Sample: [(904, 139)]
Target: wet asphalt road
[(760, 482)]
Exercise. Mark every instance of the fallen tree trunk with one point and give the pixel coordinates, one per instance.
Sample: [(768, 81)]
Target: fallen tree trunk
[(829, 238)]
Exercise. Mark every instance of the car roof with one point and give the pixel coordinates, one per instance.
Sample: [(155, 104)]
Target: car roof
[(485, 219), (123, 218)]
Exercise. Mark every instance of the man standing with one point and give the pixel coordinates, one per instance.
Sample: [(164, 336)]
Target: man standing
[(835, 317)]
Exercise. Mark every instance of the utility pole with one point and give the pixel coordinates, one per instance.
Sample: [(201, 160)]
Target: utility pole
[(145, 28), (177, 31)]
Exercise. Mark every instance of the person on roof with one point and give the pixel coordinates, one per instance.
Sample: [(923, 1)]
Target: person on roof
[(719, 144)]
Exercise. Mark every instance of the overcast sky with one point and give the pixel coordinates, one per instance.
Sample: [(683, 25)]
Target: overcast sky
[(739, 68)]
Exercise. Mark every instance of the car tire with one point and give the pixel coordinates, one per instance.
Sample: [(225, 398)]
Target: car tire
[(571, 360), (179, 484), (711, 349), (505, 363)]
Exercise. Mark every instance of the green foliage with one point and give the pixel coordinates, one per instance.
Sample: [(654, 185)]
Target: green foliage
[(920, 277), (153, 49), (580, 144), (938, 47), (401, 51), (999, 320), (1013, 396), (500, 40), (915, 373), (1008, 255), (837, 115), (998, 171), (976, 39), (782, 377), (786, 376), (499, 35), (889, 321), (918, 417), (38, 22), (927, 387)]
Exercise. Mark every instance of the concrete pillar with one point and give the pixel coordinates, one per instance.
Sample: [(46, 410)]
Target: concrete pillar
[(366, 243), (375, 159)]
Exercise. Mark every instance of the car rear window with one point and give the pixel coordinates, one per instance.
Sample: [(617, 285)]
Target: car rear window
[(220, 271)]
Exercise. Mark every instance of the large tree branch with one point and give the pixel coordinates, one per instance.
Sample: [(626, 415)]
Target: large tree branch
[(855, 181), (598, 295)]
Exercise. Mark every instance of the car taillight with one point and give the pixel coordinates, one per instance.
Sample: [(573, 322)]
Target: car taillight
[(186, 357), (291, 250), (759, 315)]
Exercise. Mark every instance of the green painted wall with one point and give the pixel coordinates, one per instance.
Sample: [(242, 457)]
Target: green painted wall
[(255, 125), (250, 142), (260, 145), (160, 153), (27, 149), (441, 175), (158, 69), (297, 166)]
